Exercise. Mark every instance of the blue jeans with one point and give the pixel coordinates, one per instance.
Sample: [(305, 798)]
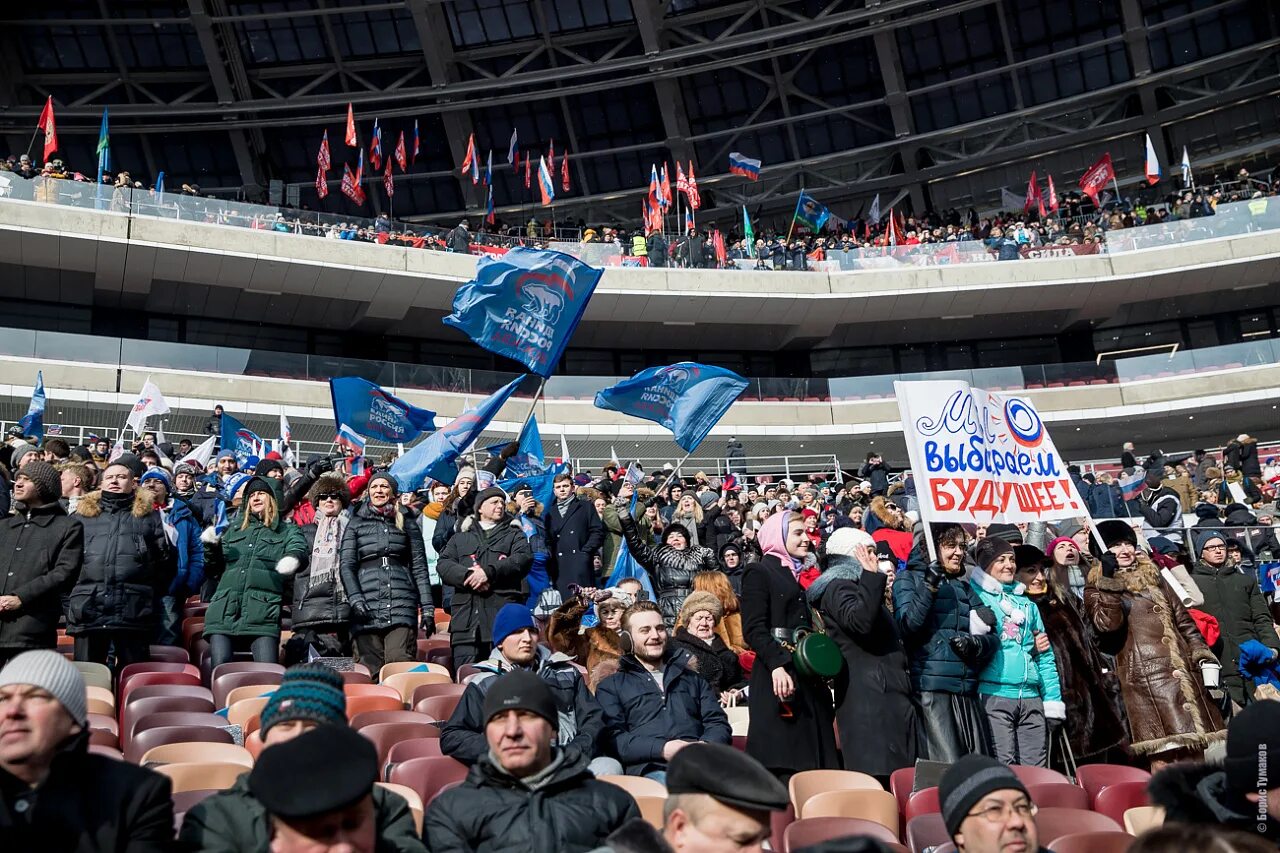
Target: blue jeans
[(657, 776), (170, 633)]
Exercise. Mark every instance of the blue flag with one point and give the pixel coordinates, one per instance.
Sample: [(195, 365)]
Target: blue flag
[(687, 398), (811, 212), (375, 413), (525, 305), (240, 440), (542, 484), (626, 566), (32, 422), (528, 460), (433, 458)]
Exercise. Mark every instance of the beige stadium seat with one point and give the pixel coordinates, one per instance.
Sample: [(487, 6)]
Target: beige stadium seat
[(1139, 819), (201, 776), (412, 798), (806, 783), (102, 694), (637, 786), (407, 682), (202, 753), (875, 805), (651, 809), (249, 691), (407, 666), (94, 674), (245, 710)]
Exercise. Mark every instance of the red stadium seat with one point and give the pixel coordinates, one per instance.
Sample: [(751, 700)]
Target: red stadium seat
[(170, 654), (127, 674), (438, 707), (405, 750), (424, 691), (1055, 823), (922, 802), (223, 684), (387, 735), (370, 718), (901, 783), (1114, 800), (139, 708), (1093, 842), (428, 775), (1059, 795), (145, 739), (155, 679), (927, 830), (245, 666), (1094, 777)]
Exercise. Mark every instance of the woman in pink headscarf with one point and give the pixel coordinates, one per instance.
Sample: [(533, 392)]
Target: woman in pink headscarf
[(792, 718)]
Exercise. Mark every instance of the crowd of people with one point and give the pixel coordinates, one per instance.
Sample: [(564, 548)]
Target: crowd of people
[(614, 629), (1003, 235)]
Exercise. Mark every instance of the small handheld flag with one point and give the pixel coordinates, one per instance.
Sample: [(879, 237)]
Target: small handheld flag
[(1187, 178), (388, 183), (322, 157), (351, 127), (1053, 196), (666, 188), (740, 164), (322, 184), (401, 154), (564, 171), (375, 149), (104, 148), (811, 212), (469, 159), (32, 422), (874, 213), (695, 198), (489, 215), (1153, 163), (511, 149), (1033, 193), (527, 169), (47, 124), (545, 182), (417, 142), (367, 409), (748, 233), (488, 170)]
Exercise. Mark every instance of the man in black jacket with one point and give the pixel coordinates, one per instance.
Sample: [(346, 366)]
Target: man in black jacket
[(55, 794), (574, 536), (41, 550), (525, 793), (486, 563), (1160, 508), (875, 470)]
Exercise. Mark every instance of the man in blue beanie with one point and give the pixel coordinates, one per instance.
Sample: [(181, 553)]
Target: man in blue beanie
[(516, 647)]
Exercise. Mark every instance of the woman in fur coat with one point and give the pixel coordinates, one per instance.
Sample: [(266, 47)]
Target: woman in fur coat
[(1159, 652)]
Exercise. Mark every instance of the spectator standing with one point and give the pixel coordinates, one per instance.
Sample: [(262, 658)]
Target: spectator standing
[(182, 531), (574, 535), (254, 557), (430, 517), (792, 717), (460, 504), (735, 457), (459, 239), (384, 573), (54, 793), (485, 562), (127, 567), (876, 472), (525, 792), (41, 550), (672, 564), (321, 614), (599, 646)]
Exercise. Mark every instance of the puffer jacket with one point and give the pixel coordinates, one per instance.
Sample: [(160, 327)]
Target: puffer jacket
[(929, 620), (41, 550), (563, 808), (320, 601), (581, 721), (127, 564), (182, 527), (506, 557), (384, 566), (1233, 598), (1017, 671), (253, 561), (670, 569)]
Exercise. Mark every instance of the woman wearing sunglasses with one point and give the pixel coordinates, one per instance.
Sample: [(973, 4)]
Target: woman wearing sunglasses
[(321, 616)]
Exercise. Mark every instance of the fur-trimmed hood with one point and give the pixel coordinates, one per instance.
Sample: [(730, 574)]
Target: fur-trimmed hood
[(470, 522), (90, 505)]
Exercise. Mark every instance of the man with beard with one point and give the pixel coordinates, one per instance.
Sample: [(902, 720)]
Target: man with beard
[(655, 705)]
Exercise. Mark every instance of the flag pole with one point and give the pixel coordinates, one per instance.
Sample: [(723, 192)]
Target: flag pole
[(533, 406), (793, 215), (675, 471)]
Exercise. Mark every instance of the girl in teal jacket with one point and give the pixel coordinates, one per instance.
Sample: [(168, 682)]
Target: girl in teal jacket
[(1019, 686)]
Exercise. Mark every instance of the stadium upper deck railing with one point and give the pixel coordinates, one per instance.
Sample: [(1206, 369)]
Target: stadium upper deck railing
[(1232, 219)]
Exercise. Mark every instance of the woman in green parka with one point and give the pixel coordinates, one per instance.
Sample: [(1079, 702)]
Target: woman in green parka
[(256, 555)]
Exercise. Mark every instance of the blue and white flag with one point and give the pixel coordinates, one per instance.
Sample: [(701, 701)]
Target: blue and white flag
[(375, 413), (528, 460), (687, 398), (542, 483), (1187, 180), (525, 305), (434, 457), (240, 440), (32, 422)]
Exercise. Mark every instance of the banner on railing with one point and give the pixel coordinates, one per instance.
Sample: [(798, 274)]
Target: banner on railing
[(1060, 251), (982, 457)]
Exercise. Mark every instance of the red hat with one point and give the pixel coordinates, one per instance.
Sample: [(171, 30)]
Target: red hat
[(810, 513), (273, 455)]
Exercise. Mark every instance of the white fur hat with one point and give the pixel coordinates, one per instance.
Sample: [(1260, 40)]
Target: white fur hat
[(847, 539)]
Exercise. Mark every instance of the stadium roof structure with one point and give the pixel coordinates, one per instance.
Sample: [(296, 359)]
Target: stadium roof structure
[(941, 103)]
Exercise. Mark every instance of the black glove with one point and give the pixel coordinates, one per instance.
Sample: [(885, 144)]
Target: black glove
[(1109, 565), (509, 450), (933, 576), (429, 623), (360, 612), (967, 647), (987, 615), (323, 465)]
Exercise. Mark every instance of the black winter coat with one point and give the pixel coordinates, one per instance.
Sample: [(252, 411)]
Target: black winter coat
[(319, 602), (581, 725), (127, 565), (929, 620), (573, 541), (714, 661), (1233, 598), (506, 558), (1195, 792), (671, 570), (879, 721), (490, 811), (641, 718), (384, 566), (89, 803), (805, 739), (40, 555)]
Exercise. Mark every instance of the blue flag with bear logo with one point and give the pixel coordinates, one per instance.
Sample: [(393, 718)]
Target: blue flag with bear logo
[(525, 305), (376, 413), (687, 398)]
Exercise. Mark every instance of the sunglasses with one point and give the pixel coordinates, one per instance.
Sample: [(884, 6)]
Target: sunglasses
[(328, 497)]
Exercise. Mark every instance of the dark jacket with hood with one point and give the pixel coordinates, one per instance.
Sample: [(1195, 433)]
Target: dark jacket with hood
[(1194, 792), (233, 821), (670, 569), (41, 550), (505, 555), (735, 574), (581, 725), (641, 718), (1232, 597), (127, 564), (562, 808), (88, 803), (384, 567), (188, 550)]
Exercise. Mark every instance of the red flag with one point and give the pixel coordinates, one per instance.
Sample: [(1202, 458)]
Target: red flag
[(892, 236), (682, 185), (1033, 193), (721, 255), (46, 124), (551, 155), (564, 171), (470, 157), (387, 183), (353, 185), (351, 127), (1053, 196), (1096, 177), (528, 168), (695, 198), (666, 186), (322, 158), (322, 185), (402, 155), (515, 161)]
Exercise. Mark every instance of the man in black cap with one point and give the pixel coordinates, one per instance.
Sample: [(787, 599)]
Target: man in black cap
[(1160, 508), (526, 794), (986, 808)]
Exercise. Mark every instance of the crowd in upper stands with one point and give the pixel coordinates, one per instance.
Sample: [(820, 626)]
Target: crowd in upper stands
[(616, 637), (1004, 234)]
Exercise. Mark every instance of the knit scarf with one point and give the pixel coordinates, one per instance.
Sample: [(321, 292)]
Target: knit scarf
[(324, 554), (690, 523)]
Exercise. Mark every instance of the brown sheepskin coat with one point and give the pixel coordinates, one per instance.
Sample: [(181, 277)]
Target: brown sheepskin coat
[(598, 648)]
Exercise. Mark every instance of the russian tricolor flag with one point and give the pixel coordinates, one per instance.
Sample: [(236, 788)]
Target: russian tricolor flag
[(545, 183), (740, 164), (1153, 164)]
